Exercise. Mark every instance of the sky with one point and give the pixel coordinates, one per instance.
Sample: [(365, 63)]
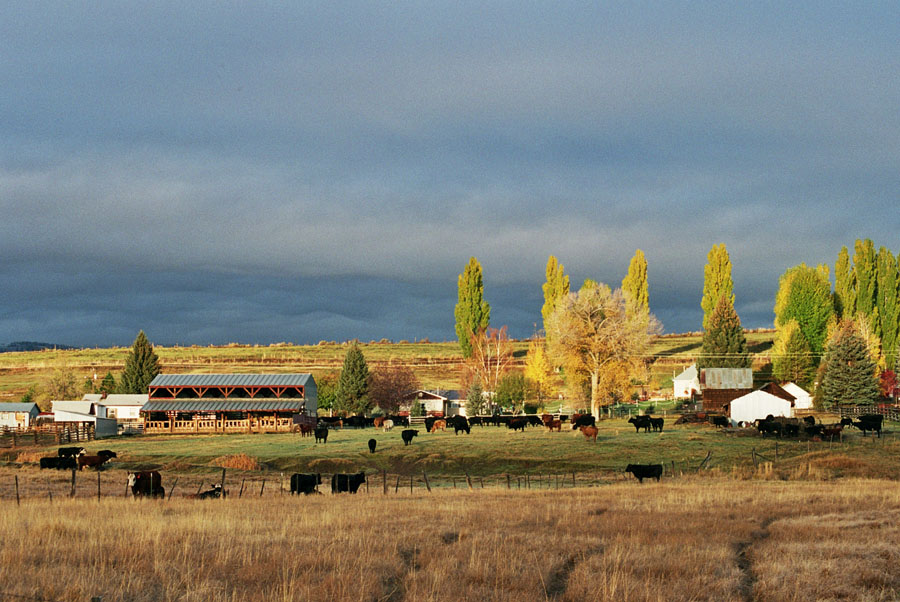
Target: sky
[(215, 172)]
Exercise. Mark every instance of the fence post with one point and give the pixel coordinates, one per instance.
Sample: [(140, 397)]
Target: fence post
[(17, 490), (397, 486), (410, 484), (72, 493), (98, 484), (507, 481), (384, 481), (172, 490), (262, 488), (573, 478), (427, 485), (468, 480), (222, 483), (241, 492)]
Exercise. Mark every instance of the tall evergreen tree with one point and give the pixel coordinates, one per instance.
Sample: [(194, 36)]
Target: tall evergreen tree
[(556, 287), (351, 394), (717, 281), (888, 303), (844, 286), (792, 359), (724, 343), (866, 278), (472, 312), (141, 366), (804, 296), (634, 285), (108, 384), (849, 375)]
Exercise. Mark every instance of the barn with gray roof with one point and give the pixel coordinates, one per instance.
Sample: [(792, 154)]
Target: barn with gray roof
[(228, 403)]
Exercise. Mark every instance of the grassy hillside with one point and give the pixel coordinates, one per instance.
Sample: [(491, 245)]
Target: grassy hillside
[(436, 364)]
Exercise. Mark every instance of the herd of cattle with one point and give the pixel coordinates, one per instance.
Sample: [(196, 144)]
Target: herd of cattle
[(149, 483)]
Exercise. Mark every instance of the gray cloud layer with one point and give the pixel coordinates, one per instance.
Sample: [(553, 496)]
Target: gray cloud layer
[(217, 172)]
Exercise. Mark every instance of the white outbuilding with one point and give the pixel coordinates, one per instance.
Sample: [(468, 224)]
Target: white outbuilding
[(802, 398), (758, 404), (687, 383)]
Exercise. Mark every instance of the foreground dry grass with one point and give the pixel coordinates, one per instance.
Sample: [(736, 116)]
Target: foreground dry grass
[(685, 540)]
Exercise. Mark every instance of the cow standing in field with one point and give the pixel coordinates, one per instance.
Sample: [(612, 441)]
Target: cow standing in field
[(372, 444), (590, 432), (305, 483), (67, 463), (645, 471), (146, 483), (70, 452), (306, 430), (321, 434), (408, 435), (91, 462), (516, 424), (657, 424), (580, 420), (350, 483), (378, 422), (640, 422), (460, 423), (387, 424), (554, 424), (439, 424)]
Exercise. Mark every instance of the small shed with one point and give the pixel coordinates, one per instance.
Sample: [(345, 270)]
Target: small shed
[(721, 386), (18, 415), (687, 383), (759, 404), (802, 398)]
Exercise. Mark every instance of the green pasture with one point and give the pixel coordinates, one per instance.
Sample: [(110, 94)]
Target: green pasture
[(496, 451)]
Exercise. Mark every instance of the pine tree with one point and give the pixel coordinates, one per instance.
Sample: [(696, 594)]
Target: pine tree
[(849, 375), (351, 394), (472, 312), (844, 286), (724, 343), (475, 399), (792, 359), (804, 296), (865, 276), (556, 286), (634, 285), (888, 289), (108, 384), (717, 281), (141, 366)]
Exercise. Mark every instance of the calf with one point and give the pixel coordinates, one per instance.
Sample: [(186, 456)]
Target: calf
[(407, 435), (341, 483), (146, 483), (439, 424), (372, 444), (645, 471), (640, 422), (719, 421), (657, 424), (476, 420), (91, 462), (305, 483), (590, 432), (70, 452), (108, 453), (378, 422), (555, 424), (387, 425), (306, 430), (321, 434), (214, 493)]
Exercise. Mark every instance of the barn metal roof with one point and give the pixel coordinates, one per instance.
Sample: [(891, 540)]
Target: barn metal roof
[(231, 380), (17, 407), (221, 405)]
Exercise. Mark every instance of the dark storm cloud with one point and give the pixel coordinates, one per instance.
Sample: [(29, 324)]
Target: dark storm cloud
[(230, 172)]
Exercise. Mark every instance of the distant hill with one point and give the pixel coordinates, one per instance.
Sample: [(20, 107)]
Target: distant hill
[(31, 346)]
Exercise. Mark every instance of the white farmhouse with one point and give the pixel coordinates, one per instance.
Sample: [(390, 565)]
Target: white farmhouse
[(18, 415), (687, 383)]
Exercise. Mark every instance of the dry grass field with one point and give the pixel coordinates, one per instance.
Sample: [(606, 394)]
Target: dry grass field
[(688, 539)]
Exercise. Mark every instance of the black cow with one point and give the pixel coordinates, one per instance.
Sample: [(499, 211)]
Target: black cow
[(70, 452), (870, 422), (645, 471), (476, 420), (580, 420), (640, 422), (720, 421), (534, 420), (460, 423), (429, 422), (372, 444), (147, 483), (347, 482), (815, 430), (107, 453), (399, 420), (657, 424), (766, 426), (407, 435), (305, 483), (321, 434), (846, 422), (59, 463), (809, 420), (517, 423)]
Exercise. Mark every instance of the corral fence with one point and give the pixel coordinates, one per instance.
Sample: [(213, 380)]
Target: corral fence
[(47, 434), (888, 411)]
